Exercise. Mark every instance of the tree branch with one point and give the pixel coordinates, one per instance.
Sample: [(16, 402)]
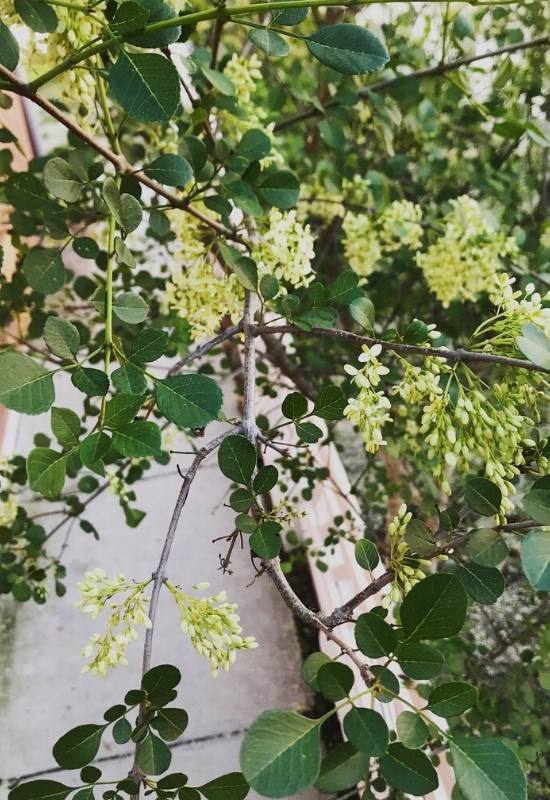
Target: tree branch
[(204, 347), (427, 72), (249, 369), (470, 356), (118, 161)]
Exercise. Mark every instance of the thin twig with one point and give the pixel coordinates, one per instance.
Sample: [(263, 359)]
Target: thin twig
[(249, 369), (427, 72), (470, 356), (203, 348)]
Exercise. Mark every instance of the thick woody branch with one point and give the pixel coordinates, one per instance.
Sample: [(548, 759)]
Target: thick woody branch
[(428, 72), (118, 161), (467, 356)]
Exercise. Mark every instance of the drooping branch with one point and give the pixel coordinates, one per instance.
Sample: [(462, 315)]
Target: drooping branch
[(118, 161), (427, 72)]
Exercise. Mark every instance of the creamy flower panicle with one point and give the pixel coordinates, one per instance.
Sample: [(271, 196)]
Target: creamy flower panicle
[(285, 249), (213, 626), (369, 409)]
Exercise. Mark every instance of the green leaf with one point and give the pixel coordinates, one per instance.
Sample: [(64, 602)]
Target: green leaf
[(121, 410), (374, 637), (160, 679), (366, 554), (451, 699), (435, 608), (130, 308), (348, 49), (367, 731), (218, 80), (79, 746), (408, 770), (241, 500), (412, 730), (281, 753), (270, 42), (46, 471), (265, 479), (62, 338), (330, 403), (149, 345), (342, 768), (280, 189), (158, 11), (335, 680), (420, 537), (38, 15), (93, 450), (486, 547), (122, 731), (310, 668), (486, 768), (139, 439), (146, 85), (190, 401), (129, 17), (247, 273), (25, 386), (534, 345), (269, 287), (129, 379), (419, 661), (25, 192), (265, 542), (483, 496), (9, 58), (294, 405), (535, 559), (170, 723), (61, 180), (537, 505), (40, 790), (153, 756), (484, 584), (227, 787), (65, 426), (44, 269), (362, 311), (237, 458), (93, 382), (254, 145), (308, 432), (170, 170)]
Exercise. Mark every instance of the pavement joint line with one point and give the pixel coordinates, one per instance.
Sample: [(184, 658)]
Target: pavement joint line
[(211, 737)]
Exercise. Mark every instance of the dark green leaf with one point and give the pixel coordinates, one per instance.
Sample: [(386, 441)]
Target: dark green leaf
[(92, 382), (486, 768), (335, 680), (170, 723), (61, 337), (93, 449), (130, 308), (281, 753), (61, 180), (435, 608), (46, 471), (170, 169), (311, 666), (408, 770), (265, 542), (40, 790), (294, 405), (367, 731), (362, 311), (536, 504), (366, 554), (247, 273), (412, 730), (38, 15), (270, 42), (534, 345), (280, 189), (330, 403), (9, 58), (122, 731), (486, 547), (153, 756), (420, 538), (121, 410), (149, 345), (146, 85), (308, 432), (254, 145), (139, 439), (374, 637), (348, 49), (65, 426), (342, 768), (44, 269), (535, 559), (237, 458), (265, 479), (227, 787), (129, 379), (483, 496), (451, 699), (78, 747), (483, 584), (190, 401), (419, 661), (161, 679), (129, 17), (25, 386)]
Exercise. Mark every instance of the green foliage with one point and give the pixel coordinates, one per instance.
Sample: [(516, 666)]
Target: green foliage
[(25, 386), (146, 86), (348, 49)]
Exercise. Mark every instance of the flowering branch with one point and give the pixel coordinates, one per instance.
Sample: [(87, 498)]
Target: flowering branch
[(427, 72), (457, 355)]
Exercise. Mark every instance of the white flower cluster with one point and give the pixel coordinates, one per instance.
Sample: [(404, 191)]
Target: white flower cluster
[(244, 72), (97, 592), (367, 238), (515, 309), (285, 249), (369, 409), (405, 572), (213, 626), (465, 259), (195, 292)]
